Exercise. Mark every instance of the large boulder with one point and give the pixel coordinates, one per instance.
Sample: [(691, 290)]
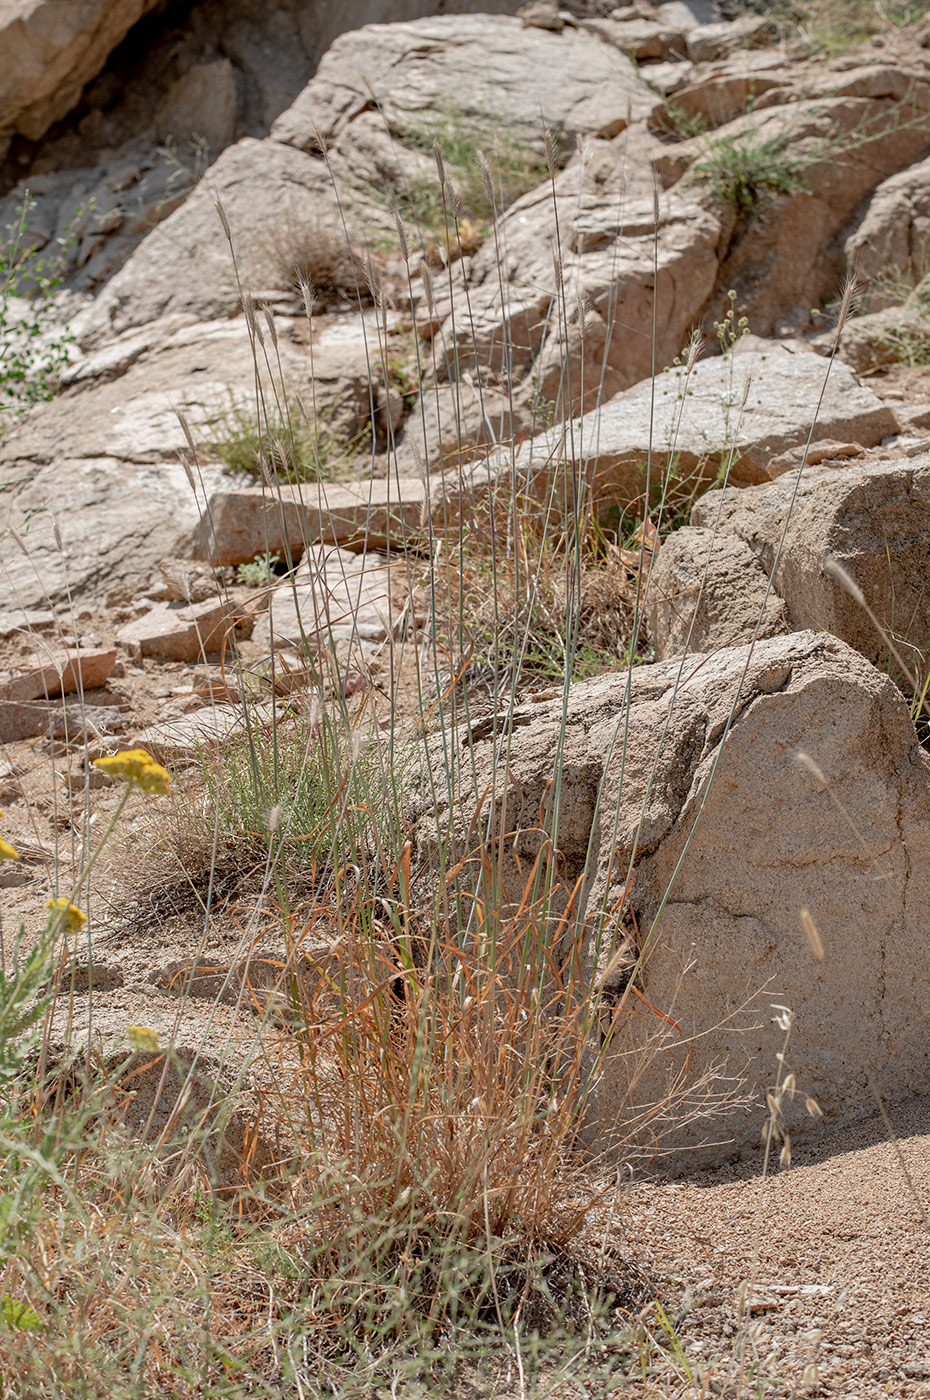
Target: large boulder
[(472, 70), (284, 219), (621, 297), (50, 50), (893, 236), (740, 411), (726, 795), (710, 578)]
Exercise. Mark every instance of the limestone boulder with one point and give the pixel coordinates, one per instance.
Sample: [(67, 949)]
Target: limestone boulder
[(727, 794), (50, 50), (102, 459), (708, 590), (239, 524), (873, 519), (741, 411), (893, 236), (284, 219), (581, 327), (487, 72)]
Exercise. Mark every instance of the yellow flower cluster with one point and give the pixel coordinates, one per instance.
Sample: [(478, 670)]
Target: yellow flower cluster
[(144, 1039), (7, 852), (68, 914), (136, 766)]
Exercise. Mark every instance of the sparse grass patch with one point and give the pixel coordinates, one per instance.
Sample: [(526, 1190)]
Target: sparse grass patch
[(833, 26), (521, 599), (744, 171), (488, 169), (275, 444)]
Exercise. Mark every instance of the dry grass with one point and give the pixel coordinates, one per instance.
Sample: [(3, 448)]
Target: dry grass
[(319, 257), (415, 1211)]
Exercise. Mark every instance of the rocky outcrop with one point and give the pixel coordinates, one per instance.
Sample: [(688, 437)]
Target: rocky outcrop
[(892, 239), (489, 73), (709, 580), (738, 791), (50, 50), (739, 413)]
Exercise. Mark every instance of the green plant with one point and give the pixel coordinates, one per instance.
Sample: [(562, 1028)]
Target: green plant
[(684, 124), (34, 347), (488, 170), (832, 26), (259, 572), (744, 171), (275, 442)]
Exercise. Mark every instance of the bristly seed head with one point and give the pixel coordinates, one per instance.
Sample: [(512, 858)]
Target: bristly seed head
[(813, 936), (834, 568)]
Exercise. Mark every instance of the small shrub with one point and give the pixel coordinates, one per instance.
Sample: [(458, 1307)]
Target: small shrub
[(272, 445), (317, 256), (683, 124), (33, 345), (259, 572), (745, 171)]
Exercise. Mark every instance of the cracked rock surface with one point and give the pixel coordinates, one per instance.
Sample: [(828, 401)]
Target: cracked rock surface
[(816, 801)]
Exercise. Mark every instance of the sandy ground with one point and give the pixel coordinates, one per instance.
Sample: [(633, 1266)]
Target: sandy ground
[(836, 1253)]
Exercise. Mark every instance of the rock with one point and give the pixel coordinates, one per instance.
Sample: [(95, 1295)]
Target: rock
[(707, 591), (700, 421), (201, 105), (711, 41), (844, 147), (542, 14), (451, 423), (639, 39), (181, 631), (722, 96), (239, 525), (59, 675), (105, 452), (488, 71), (598, 339), (184, 266), (893, 335), (76, 723), (728, 843), (333, 596), (177, 740), (27, 620), (50, 50), (893, 236), (873, 519)]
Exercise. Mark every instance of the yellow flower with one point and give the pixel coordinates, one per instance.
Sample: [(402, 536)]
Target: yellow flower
[(143, 1038), (7, 852), (69, 914), (136, 766)]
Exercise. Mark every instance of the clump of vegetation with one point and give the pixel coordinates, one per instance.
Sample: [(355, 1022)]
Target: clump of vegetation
[(684, 125), (488, 170), (274, 444), (745, 171), (832, 26), (34, 347), (555, 600), (258, 572), (312, 255)]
